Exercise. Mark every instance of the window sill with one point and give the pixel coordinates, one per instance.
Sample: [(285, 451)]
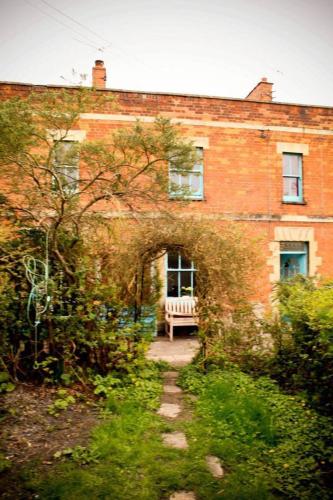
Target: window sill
[(284, 202), (175, 198)]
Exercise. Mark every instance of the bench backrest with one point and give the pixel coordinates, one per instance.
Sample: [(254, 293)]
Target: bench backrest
[(180, 305)]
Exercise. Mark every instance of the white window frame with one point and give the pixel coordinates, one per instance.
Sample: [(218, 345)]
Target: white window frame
[(62, 171), (179, 270), (181, 182)]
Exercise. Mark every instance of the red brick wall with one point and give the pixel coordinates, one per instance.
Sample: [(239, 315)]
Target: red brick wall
[(242, 168)]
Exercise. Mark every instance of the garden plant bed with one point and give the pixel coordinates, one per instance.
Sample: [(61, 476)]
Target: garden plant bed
[(30, 435)]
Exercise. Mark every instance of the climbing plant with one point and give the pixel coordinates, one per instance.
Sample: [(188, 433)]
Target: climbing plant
[(227, 263)]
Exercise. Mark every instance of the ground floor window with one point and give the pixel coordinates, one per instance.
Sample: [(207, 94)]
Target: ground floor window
[(180, 275), (293, 259)]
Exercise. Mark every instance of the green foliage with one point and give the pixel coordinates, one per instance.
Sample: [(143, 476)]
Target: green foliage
[(270, 444), (4, 463), (80, 454), (304, 340), (127, 459), (5, 383), (61, 403), (139, 381)]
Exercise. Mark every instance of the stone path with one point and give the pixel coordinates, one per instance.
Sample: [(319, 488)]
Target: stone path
[(178, 353)]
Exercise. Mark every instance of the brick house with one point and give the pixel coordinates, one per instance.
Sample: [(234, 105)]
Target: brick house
[(263, 163)]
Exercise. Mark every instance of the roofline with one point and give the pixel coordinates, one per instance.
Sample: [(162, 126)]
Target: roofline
[(175, 94)]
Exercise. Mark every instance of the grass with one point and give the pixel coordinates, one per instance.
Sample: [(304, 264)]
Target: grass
[(127, 461), (271, 446)]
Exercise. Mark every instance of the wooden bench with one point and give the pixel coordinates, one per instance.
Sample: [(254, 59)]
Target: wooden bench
[(179, 311)]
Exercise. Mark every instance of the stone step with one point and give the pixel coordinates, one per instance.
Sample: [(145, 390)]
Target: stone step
[(169, 410), (175, 440), (172, 389), (183, 495), (214, 466), (170, 377)]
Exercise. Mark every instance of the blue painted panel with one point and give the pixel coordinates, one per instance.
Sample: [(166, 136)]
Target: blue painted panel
[(292, 264), (147, 319)]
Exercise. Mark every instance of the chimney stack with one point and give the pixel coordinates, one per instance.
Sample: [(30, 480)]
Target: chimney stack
[(261, 92), (99, 75)]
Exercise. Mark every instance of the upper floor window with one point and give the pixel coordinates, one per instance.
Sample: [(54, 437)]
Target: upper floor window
[(66, 166), (292, 177), (293, 259), (187, 183)]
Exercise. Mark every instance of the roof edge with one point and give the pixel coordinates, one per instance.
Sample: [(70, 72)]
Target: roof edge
[(179, 94)]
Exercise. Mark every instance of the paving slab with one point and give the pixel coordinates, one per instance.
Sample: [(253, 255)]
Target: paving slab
[(170, 375), (169, 410), (180, 352), (175, 440), (183, 495), (172, 389), (214, 466)]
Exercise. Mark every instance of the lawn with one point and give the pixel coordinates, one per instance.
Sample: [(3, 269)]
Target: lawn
[(271, 445)]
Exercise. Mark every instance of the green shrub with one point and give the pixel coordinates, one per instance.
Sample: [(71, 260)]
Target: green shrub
[(61, 403), (304, 340)]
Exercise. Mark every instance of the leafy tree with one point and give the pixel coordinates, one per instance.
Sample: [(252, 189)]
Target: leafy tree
[(126, 170), (62, 218)]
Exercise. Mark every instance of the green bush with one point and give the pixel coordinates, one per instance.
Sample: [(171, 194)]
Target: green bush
[(304, 340)]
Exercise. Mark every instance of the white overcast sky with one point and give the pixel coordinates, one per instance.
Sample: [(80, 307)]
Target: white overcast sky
[(211, 47)]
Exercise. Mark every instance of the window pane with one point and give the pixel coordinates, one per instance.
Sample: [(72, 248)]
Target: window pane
[(71, 173), (185, 263), (173, 260), (290, 186), (190, 184), (173, 284), (185, 180), (199, 153), (293, 263), (290, 266), (68, 177), (180, 275), (174, 178), (185, 278), (66, 153), (195, 183), (291, 165)]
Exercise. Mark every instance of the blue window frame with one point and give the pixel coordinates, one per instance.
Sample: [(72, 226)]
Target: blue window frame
[(187, 183), (180, 275), (292, 177), (293, 259)]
